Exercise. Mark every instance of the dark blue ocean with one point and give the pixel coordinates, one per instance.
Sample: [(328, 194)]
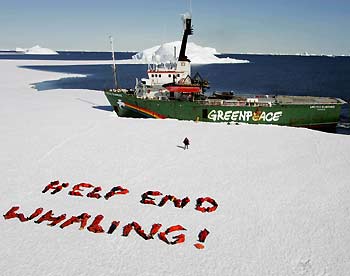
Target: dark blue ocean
[(264, 74)]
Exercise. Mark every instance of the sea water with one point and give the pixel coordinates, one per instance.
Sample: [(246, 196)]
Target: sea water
[(264, 74)]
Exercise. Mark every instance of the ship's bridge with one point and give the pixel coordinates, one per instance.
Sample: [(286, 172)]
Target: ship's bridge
[(163, 74), (163, 77)]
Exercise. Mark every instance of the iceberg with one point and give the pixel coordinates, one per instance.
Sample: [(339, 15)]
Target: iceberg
[(20, 50), (197, 54), (37, 50)]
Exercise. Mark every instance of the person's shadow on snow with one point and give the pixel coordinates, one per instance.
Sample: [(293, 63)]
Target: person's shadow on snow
[(181, 147)]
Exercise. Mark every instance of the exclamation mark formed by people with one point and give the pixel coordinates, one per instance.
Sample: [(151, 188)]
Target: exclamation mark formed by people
[(201, 238)]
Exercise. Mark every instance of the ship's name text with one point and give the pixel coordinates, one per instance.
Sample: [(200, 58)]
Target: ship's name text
[(244, 116)]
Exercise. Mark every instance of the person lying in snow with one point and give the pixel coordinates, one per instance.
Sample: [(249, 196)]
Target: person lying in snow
[(202, 209)]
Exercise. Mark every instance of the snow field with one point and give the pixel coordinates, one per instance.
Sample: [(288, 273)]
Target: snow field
[(282, 192)]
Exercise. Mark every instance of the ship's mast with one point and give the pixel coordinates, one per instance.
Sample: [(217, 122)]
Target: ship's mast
[(114, 66)]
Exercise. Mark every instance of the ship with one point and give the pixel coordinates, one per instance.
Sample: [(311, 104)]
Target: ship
[(171, 92)]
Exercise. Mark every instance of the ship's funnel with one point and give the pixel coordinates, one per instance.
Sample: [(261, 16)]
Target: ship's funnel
[(184, 18), (188, 30)]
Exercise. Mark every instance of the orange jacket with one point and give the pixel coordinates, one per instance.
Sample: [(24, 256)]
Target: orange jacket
[(95, 227)]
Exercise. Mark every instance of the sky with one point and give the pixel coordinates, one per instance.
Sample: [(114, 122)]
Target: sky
[(230, 26)]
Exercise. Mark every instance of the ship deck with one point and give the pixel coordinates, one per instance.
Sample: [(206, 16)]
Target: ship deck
[(281, 99), (273, 100)]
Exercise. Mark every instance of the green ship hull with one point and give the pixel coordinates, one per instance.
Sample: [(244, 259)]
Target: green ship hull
[(295, 111)]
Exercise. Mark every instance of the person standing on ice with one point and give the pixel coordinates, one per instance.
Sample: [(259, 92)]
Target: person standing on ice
[(186, 143)]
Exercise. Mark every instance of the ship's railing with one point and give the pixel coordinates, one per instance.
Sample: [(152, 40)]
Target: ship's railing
[(206, 102), (120, 90), (232, 103)]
